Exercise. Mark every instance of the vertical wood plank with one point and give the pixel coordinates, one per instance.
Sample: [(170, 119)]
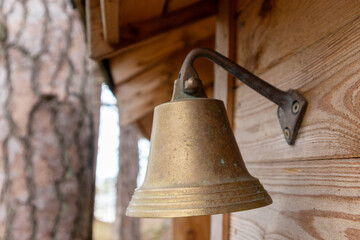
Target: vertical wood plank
[(110, 20), (223, 85), (191, 228)]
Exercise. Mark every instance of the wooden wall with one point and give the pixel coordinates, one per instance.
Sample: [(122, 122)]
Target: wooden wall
[(313, 46)]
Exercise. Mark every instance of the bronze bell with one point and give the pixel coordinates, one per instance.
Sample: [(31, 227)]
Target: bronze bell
[(195, 166)]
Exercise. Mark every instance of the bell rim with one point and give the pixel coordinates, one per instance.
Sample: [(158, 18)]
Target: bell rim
[(203, 211), (213, 199)]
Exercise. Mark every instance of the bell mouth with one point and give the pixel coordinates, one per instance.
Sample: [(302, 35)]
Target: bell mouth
[(197, 201)]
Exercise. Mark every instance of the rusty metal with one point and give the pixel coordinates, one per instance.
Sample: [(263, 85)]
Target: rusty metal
[(287, 101), (195, 166), (179, 94)]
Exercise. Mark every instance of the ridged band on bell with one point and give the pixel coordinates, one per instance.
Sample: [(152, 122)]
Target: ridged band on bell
[(195, 166)]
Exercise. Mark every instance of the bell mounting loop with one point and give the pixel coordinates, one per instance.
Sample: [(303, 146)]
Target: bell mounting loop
[(292, 105)]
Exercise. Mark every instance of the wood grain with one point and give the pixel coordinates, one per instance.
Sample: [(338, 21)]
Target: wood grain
[(144, 125), (153, 83), (110, 20), (149, 53), (225, 43), (316, 199), (191, 228), (139, 31), (134, 26), (271, 31), (128, 12), (132, 11), (138, 96), (313, 46), (177, 4), (327, 72)]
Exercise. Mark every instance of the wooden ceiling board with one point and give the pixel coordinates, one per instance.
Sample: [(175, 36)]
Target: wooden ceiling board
[(138, 96), (141, 30), (110, 20), (173, 5), (149, 53), (132, 11)]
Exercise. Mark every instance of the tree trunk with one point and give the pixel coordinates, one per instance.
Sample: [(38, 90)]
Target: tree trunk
[(127, 228), (48, 122)]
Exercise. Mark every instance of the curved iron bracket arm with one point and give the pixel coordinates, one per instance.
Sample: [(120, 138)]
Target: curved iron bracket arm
[(292, 105)]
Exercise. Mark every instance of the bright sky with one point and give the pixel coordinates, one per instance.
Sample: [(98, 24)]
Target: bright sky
[(109, 136), (108, 156)]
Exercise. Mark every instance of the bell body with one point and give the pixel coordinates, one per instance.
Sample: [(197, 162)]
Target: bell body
[(195, 166)]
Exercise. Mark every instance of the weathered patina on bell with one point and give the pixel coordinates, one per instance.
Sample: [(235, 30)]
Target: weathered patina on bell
[(195, 167)]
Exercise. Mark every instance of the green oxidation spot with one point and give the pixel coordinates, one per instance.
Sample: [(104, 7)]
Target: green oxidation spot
[(235, 165), (221, 161)]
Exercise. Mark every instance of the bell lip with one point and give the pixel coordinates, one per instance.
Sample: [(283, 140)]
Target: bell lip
[(239, 201), (185, 202), (204, 211), (189, 99)]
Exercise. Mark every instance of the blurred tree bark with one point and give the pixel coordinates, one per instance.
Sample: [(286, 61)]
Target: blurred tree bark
[(48, 122), (127, 228)]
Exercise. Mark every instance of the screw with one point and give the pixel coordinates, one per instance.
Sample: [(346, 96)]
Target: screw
[(192, 85), (287, 133), (295, 107)]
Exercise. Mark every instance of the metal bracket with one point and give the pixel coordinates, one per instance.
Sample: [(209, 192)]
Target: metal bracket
[(291, 114), (292, 105)]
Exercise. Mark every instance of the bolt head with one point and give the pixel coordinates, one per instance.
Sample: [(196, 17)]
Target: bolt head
[(192, 85), (295, 107), (287, 133)]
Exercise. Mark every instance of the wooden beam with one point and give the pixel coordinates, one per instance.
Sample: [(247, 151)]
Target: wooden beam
[(144, 125), (138, 96), (136, 32), (173, 5), (110, 20), (147, 54), (194, 228), (99, 49), (225, 42)]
